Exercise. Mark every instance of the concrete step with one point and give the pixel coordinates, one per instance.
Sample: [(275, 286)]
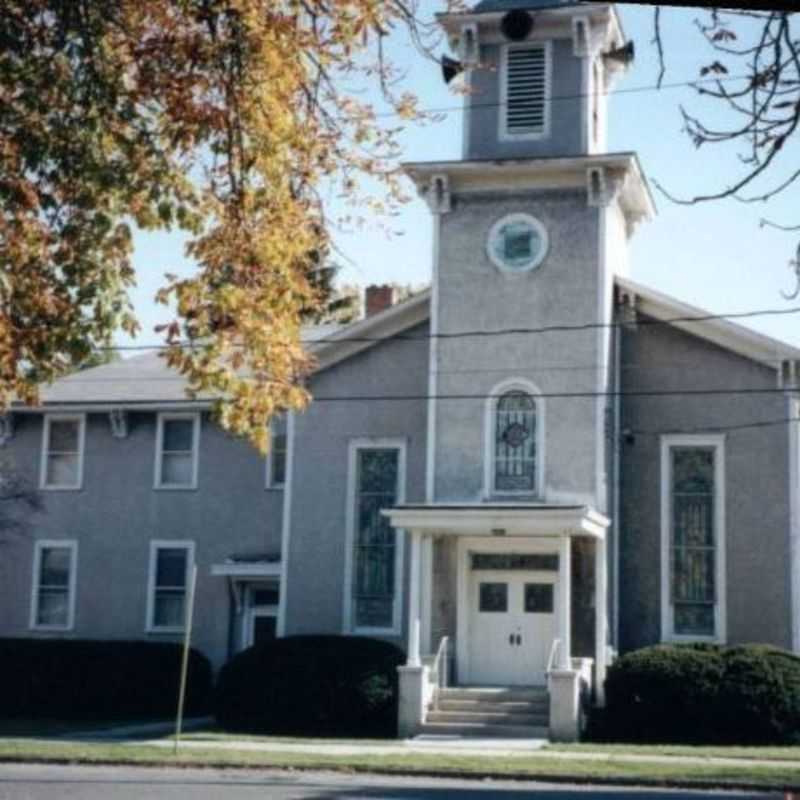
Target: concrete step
[(484, 718), (463, 729), (490, 707), (496, 695)]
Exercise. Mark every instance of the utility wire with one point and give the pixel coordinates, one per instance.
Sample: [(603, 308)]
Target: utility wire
[(560, 328), (581, 95), (510, 370), (713, 429)]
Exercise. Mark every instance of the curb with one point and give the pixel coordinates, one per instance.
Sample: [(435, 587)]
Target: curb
[(443, 774)]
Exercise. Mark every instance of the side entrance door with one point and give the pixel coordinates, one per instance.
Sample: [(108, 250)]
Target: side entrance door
[(511, 627)]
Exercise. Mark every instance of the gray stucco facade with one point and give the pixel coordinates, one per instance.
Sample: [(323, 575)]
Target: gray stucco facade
[(758, 560), (117, 514)]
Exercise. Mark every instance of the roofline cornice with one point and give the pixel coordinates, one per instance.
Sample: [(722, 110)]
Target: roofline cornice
[(722, 332)]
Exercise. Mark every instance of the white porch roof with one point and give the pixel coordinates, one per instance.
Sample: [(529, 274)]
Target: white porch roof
[(501, 519)]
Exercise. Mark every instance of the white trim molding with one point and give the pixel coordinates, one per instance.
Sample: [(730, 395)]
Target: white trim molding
[(355, 445), (169, 416), (793, 409), (271, 483), (524, 385), (48, 420), (53, 544), (155, 546), (717, 443), (6, 428), (286, 524)]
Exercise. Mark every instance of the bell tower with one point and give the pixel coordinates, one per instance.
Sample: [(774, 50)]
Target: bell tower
[(530, 227), (537, 75)]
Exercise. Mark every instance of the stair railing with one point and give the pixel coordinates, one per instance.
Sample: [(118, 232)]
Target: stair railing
[(441, 666), (551, 661)]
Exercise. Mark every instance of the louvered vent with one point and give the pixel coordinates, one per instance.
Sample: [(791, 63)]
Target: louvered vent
[(526, 87)]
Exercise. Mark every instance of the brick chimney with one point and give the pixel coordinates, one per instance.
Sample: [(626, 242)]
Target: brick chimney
[(378, 298)]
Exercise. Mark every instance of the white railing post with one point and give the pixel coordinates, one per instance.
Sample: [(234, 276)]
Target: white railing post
[(413, 658), (564, 602)]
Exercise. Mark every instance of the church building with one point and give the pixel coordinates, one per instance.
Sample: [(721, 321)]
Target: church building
[(535, 465)]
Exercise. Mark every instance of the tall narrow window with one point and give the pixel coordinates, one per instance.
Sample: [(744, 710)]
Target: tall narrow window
[(176, 453), (62, 457), (375, 558), (54, 566), (525, 89), (693, 546), (515, 443), (170, 563), (276, 460)]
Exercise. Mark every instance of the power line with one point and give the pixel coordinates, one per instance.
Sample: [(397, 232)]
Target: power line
[(582, 95), (559, 328), (713, 429), (579, 395), (509, 370)]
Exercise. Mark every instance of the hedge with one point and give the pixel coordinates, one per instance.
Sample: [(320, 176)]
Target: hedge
[(702, 694), (87, 679), (311, 685)]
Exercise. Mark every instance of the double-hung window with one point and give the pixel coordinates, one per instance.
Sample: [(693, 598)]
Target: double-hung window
[(170, 568), (62, 451), (693, 538), (276, 460), (375, 562), (176, 451), (53, 599)]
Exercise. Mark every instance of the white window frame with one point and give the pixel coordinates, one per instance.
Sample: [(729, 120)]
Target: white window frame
[(270, 482), (503, 133), (717, 442), (48, 544), (48, 420), (167, 416), (355, 445), (155, 546), (489, 424)]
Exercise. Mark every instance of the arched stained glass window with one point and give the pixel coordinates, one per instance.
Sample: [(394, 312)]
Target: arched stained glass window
[(515, 443)]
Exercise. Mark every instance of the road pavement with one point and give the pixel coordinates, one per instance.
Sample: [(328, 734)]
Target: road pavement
[(47, 782)]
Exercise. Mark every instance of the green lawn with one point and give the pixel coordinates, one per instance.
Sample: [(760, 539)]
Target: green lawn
[(749, 753), (779, 776)]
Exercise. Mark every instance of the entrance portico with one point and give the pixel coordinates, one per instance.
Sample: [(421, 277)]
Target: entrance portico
[(503, 604)]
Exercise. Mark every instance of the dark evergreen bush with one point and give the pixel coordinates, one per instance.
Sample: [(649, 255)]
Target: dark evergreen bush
[(86, 679), (312, 685), (702, 694)]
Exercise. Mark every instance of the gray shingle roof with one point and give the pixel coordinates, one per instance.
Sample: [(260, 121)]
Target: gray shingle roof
[(140, 379), (488, 6)]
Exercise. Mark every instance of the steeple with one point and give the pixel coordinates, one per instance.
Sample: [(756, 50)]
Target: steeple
[(537, 75)]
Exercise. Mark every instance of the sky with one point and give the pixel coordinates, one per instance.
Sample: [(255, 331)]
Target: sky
[(716, 255)]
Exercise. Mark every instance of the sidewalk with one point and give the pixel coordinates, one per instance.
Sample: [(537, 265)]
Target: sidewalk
[(516, 748)]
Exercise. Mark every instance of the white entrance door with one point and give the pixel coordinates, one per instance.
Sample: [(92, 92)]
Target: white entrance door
[(511, 627), (260, 614)]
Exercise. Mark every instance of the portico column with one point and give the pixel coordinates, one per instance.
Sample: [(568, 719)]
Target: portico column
[(564, 603), (413, 658), (601, 617)]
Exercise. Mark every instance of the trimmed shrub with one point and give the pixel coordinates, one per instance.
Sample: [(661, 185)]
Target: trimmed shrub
[(304, 685), (702, 694), (87, 679)]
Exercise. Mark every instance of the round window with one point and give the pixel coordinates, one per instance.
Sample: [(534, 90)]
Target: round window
[(517, 243)]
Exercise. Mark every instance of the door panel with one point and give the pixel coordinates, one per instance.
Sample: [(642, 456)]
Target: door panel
[(511, 627)]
